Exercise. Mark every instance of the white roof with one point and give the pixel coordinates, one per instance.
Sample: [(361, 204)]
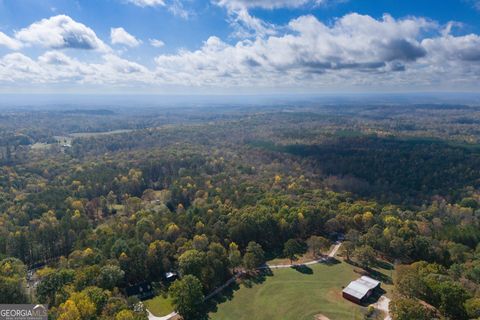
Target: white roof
[(360, 287)]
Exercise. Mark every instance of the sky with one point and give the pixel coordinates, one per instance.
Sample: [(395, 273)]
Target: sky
[(239, 46)]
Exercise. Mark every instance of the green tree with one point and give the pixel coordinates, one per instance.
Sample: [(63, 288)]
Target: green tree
[(450, 298), (187, 297), (254, 256), (365, 256), (53, 284), (348, 248), (472, 307), (192, 262), (12, 281), (317, 245), (409, 283), (110, 276), (234, 256), (291, 249), (409, 309)]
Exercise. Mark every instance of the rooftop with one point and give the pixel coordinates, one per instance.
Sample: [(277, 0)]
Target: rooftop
[(360, 287)]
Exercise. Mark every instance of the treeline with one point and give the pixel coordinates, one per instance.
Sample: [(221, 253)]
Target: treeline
[(404, 171), (115, 211)]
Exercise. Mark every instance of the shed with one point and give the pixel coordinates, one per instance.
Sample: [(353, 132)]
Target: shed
[(170, 276), (361, 289)]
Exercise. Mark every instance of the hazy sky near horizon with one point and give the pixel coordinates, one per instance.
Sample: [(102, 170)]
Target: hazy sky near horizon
[(239, 46)]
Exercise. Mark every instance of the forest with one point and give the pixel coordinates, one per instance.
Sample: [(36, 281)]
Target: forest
[(94, 202)]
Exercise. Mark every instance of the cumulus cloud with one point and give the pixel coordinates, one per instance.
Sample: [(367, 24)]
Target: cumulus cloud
[(19, 69), (60, 32), (355, 42), (56, 67), (245, 25), (147, 3), (120, 36), (9, 42), (466, 48), (156, 43), (352, 51)]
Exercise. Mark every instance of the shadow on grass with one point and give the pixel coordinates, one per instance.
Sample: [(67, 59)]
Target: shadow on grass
[(374, 297), (227, 294), (384, 265), (377, 275), (331, 261), (257, 278), (302, 269), (224, 296), (372, 273)]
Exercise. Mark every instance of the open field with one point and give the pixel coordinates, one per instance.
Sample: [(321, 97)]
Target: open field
[(291, 294), (159, 306), (94, 134)]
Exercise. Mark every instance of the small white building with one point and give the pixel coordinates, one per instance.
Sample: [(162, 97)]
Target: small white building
[(359, 290), (170, 276)]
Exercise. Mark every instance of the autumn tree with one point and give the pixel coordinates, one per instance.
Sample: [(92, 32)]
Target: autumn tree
[(234, 256), (409, 309)]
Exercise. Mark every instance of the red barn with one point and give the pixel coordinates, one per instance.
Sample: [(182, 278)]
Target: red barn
[(359, 290)]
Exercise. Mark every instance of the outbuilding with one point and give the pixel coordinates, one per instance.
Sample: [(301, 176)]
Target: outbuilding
[(171, 276), (361, 289)]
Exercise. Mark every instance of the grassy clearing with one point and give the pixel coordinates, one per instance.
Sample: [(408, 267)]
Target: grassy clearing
[(296, 295), (159, 306), (95, 134)]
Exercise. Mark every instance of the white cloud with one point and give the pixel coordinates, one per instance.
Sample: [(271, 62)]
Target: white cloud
[(120, 36), (56, 67), (173, 6), (248, 26), (265, 4), (156, 43), (355, 51), (18, 68), (177, 9), (9, 42), (147, 3), (60, 32), (245, 25), (463, 48), (309, 49)]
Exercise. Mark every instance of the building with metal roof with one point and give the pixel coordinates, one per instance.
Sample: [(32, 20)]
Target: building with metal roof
[(361, 289)]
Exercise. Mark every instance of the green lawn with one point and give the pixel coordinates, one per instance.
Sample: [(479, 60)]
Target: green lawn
[(290, 294), (159, 306)]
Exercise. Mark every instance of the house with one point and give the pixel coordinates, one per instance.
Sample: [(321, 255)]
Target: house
[(361, 289), (171, 276), (142, 291)]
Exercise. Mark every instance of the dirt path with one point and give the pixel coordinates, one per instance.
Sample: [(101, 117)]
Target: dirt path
[(330, 255), (167, 317), (383, 305)]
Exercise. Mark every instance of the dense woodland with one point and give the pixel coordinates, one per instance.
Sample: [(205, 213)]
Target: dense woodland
[(205, 192)]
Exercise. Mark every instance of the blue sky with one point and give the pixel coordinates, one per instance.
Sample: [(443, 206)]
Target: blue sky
[(239, 46)]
